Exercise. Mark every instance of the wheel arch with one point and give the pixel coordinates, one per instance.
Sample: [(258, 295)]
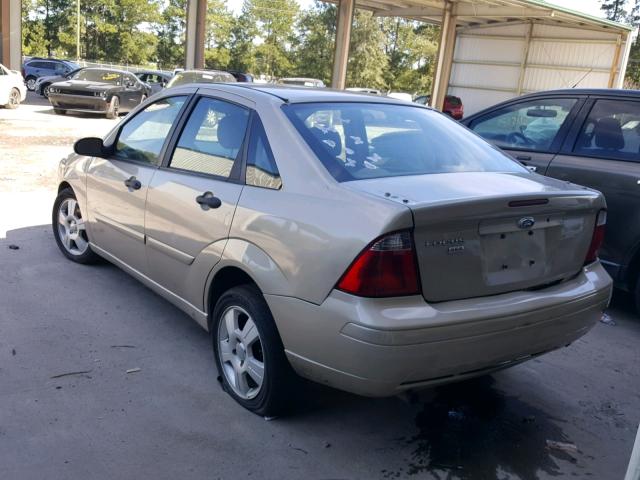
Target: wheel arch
[(223, 280), (63, 185)]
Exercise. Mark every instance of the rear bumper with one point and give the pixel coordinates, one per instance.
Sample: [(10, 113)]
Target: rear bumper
[(79, 103), (379, 347)]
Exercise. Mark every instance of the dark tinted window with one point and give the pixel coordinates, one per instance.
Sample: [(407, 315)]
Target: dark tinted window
[(262, 170), (531, 125), (102, 76), (212, 138), (143, 136), (612, 130), (369, 140)]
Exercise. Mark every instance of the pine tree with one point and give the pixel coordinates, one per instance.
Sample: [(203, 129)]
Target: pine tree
[(614, 9)]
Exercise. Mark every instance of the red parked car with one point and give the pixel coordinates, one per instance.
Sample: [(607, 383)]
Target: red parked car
[(452, 105)]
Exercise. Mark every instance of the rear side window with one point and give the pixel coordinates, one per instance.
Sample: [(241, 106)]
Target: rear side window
[(612, 130), (141, 138), (531, 125), (262, 170), (368, 140), (212, 138)]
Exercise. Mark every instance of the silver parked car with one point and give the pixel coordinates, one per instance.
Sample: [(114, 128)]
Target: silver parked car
[(365, 243)]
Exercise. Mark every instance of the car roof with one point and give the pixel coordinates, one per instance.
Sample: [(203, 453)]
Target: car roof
[(295, 94), (585, 91)]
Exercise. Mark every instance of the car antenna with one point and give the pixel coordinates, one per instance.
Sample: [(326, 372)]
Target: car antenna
[(583, 77)]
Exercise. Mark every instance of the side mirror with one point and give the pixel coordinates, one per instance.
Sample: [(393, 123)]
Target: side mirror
[(90, 147)]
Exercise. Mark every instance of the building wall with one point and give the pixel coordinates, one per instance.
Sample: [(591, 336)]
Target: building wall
[(493, 64)]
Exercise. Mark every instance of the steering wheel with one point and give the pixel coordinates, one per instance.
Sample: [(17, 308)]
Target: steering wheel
[(517, 138)]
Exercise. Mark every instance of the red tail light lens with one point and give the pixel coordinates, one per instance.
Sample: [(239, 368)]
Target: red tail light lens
[(386, 268), (597, 238)]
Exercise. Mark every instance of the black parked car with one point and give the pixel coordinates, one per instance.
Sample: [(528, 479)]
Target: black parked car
[(587, 136), (155, 79), (98, 90)]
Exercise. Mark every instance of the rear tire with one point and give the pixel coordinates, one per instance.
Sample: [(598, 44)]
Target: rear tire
[(237, 347), (69, 229), (114, 108), (14, 99)]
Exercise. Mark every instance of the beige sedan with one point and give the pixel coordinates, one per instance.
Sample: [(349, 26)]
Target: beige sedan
[(364, 243)]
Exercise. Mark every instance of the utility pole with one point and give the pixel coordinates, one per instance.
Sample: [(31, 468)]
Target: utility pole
[(78, 30)]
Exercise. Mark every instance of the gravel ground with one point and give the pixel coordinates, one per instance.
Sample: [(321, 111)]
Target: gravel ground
[(69, 409)]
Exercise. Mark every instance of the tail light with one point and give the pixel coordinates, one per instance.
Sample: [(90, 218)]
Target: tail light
[(597, 238), (386, 268)]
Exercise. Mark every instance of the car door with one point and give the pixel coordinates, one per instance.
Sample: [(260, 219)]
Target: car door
[(603, 152), (193, 197), (530, 130), (132, 92), (117, 186)]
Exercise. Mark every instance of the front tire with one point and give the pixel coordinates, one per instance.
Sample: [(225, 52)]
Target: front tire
[(45, 91), (114, 108), (69, 229), (249, 353), (31, 83)]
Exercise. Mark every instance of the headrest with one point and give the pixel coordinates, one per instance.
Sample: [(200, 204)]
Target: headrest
[(608, 134), (231, 131)]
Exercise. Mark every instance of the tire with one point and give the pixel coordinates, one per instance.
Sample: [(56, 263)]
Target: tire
[(274, 394), (72, 239), (45, 91), (14, 99), (59, 111), (114, 108), (30, 81)]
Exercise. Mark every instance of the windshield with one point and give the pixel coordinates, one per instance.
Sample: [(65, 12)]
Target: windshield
[(102, 76), (199, 77), (367, 140)]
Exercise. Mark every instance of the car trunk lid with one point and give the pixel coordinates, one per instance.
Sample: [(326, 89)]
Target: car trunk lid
[(480, 234)]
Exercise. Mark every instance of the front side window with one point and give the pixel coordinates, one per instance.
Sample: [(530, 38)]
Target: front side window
[(262, 170), (529, 125), (368, 140), (612, 130), (141, 138), (212, 138)]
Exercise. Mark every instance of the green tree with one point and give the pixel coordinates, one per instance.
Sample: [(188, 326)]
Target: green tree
[(314, 45), (220, 22), (368, 61), (171, 35), (614, 9)]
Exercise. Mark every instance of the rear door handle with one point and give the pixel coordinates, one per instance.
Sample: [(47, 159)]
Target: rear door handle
[(208, 200), (523, 158), (132, 183)]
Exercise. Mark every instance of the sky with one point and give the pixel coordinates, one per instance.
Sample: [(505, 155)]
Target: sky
[(592, 7)]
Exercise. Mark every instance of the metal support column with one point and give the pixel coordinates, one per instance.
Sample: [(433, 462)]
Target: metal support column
[(343, 37), (195, 34), (442, 74), (614, 64), (525, 58), (11, 34)]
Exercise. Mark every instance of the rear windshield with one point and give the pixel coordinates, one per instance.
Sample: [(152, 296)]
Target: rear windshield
[(367, 140), (183, 78), (103, 76)]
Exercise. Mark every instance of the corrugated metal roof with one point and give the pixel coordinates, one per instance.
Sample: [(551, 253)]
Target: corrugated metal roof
[(487, 12)]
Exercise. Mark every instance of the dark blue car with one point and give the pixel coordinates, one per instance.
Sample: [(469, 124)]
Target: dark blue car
[(35, 68)]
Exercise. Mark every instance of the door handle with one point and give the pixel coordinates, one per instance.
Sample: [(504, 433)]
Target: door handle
[(208, 200), (132, 183), (523, 158)]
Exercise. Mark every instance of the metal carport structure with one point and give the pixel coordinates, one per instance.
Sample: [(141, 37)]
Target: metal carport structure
[(492, 50)]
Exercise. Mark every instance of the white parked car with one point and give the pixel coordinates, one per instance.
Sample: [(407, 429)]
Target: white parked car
[(12, 88), (400, 96)]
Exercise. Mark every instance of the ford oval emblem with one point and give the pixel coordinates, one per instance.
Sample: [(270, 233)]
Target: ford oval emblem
[(526, 222)]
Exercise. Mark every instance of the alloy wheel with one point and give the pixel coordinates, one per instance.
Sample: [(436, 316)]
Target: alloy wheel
[(14, 98), (31, 84), (240, 351), (71, 227)]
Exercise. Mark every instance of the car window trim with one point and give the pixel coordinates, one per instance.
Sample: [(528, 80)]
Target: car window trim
[(561, 135), (161, 155), (255, 117), (235, 174), (570, 143)]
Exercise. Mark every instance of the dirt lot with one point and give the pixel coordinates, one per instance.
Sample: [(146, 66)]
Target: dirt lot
[(69, 409)]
